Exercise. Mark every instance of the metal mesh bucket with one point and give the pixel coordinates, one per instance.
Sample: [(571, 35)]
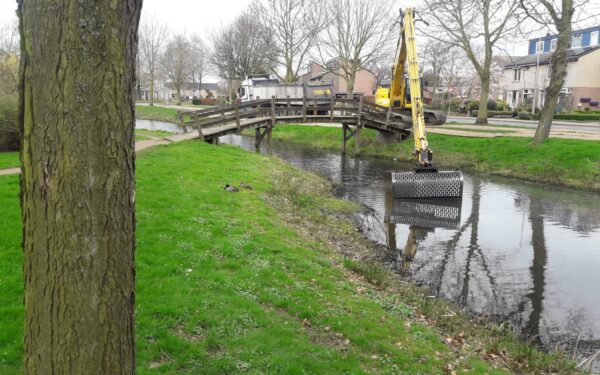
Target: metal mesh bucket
[(442, 213), (442, 184)]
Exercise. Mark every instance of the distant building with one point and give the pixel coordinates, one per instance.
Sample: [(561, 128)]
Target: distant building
[(524, 76), (364, 84)]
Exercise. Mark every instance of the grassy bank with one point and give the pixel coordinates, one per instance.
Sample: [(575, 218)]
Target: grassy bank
[(270, 280), (9, 159), (156, 113), (566, 162)]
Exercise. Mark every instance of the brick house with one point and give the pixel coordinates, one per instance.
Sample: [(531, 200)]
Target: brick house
[(525, 78), (364, 84)]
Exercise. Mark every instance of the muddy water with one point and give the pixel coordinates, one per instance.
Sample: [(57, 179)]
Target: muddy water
[(513, 251)]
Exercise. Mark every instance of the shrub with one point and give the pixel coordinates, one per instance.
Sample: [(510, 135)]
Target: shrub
[(473, 105), (578, 116), (501, 105), (527, 116), (10, 135), (209, 101), (495, 113), (492, 105), (196, 101)]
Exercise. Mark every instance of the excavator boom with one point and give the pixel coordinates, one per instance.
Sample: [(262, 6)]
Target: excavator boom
[(425, 181)]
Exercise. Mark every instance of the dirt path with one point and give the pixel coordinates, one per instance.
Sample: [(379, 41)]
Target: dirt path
[(139, 146)]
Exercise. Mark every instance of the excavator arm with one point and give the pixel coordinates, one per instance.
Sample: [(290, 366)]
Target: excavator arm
[(425, 181), (406, 56)]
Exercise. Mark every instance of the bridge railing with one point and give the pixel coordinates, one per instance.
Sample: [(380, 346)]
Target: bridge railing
[(299, 108)]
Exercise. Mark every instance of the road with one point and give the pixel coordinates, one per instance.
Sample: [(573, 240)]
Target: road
[(592, 127)]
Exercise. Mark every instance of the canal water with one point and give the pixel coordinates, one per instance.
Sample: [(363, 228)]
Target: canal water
[(157, 125), (516, 252)]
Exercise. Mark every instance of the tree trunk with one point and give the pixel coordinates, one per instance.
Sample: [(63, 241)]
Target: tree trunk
[(77, 184), (558, 74), (289, 71), (350, 85), (151, 88), (178, 95), (482, 113)]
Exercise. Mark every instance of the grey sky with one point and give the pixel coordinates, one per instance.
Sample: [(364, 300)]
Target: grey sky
[(203, 17)]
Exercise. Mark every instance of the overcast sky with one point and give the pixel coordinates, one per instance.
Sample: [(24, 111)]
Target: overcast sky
[(203, 17)]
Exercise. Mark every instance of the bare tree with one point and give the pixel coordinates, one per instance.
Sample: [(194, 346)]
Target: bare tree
[(9, 58), (240, 49), (437, 58), (175, 63), (469, 23), (198, 56), (295, 27), (153, 36), (358, 34), (382, 67)]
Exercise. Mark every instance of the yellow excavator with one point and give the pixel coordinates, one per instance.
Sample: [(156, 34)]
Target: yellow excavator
[(398, 93), (425, 181)]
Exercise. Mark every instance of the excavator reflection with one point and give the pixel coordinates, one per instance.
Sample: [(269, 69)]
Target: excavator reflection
[(422, 217)]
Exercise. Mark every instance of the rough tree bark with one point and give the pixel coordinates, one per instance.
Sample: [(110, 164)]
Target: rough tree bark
[(77, 184)]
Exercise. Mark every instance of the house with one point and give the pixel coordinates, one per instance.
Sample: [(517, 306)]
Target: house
[(525, 78), (364, 84)]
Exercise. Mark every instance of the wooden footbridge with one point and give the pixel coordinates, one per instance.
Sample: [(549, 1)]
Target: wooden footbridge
[(262, 115)]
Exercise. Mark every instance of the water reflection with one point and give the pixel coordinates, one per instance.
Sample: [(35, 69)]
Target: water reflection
[(512, 251)]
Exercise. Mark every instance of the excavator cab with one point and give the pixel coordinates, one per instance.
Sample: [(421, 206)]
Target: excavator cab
[(425, 181)]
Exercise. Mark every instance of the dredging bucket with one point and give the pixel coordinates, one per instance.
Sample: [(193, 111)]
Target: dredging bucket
[(427, 184)]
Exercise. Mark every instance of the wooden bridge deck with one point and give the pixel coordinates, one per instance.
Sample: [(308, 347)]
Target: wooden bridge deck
[(262, 115)]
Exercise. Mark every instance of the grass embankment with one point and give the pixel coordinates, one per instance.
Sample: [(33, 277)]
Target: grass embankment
[(156, 113), (167, 114), (567, 162), (9, 159), (252, 281)]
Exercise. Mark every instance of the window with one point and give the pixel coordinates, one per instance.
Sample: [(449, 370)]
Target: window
[(553, 44), (576, 41), (539, 47), (516, 75), (594, 38)]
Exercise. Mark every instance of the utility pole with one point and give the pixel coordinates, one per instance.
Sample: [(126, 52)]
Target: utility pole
[(537, 65)]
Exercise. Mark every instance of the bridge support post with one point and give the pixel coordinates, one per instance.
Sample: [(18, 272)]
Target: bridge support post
[(258, 137), (304, 109), (237, 118), (358, 126), (347, 134)]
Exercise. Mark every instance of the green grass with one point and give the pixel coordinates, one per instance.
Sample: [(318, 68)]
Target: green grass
[(152, 133), (9, 159), (566, 162), (156, 113), (247, 281), (498, 131)]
